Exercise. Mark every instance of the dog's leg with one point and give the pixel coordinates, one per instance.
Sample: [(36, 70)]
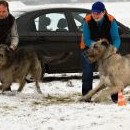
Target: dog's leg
[(92, 92), (0, 87), (21, 85), (37, 79), (107, 92), (38, 87), (5, 86), (36, 71)]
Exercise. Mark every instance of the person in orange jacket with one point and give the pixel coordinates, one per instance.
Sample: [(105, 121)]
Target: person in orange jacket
[(99, 24)]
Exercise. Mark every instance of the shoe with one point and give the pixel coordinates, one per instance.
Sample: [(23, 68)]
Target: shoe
[(8, 89), (114, 97), (88, 100)]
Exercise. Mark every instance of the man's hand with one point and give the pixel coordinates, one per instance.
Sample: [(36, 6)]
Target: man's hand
[(12, 47)]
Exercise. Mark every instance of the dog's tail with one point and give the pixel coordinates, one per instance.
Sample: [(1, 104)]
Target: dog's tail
[(56, 59)]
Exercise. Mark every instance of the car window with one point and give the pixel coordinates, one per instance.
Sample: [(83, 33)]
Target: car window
[(51, 22), (78, 18)]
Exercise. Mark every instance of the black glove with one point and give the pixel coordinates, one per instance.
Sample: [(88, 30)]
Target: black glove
[(85, 52)]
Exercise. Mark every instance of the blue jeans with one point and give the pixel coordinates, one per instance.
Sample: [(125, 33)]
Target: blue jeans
[(87, 76)]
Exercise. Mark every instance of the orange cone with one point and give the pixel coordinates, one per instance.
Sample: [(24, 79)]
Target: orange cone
[(121, 100)]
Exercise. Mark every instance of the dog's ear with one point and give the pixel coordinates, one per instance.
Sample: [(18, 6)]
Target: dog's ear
[(105, 43)]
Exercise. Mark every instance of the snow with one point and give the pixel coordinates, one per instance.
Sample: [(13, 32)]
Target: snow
[(57, 108), (16, 5)]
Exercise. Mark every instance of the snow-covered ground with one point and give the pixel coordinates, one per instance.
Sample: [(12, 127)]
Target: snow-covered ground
[(57, 108)]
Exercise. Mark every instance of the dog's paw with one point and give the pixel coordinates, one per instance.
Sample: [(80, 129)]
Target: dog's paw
[(7, 93), (83, 99), (97, 100), (39, 91)]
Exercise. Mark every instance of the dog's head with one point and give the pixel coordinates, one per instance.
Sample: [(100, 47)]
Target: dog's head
[(98, 49), (5, 55)]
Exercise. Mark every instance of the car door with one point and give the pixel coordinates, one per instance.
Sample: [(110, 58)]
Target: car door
[(125, 38), (57, 37)]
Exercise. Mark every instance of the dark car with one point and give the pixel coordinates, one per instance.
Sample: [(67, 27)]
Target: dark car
[(54, 30)]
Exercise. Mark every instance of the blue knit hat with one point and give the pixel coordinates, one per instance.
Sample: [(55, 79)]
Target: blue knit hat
[(98, 7)]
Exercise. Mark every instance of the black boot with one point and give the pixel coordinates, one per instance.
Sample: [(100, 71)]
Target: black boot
[(114, 97), (8, 89)]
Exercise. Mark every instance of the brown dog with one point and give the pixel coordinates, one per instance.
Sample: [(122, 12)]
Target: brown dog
[(113, 68), (15, 66)]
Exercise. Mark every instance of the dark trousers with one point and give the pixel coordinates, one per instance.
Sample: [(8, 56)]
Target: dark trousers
[(87, 76)]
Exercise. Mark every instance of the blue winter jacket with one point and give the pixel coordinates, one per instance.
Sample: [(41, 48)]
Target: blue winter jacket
[(114, 33)]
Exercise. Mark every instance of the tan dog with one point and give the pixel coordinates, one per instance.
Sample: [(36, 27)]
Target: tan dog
[(15, 66), (113, 68)]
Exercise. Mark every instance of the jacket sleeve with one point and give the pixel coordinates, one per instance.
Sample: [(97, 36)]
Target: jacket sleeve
[(115, 34), (86, 35), (14, 35)]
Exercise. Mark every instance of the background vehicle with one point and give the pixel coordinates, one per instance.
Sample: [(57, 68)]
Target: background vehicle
[(55, 29)]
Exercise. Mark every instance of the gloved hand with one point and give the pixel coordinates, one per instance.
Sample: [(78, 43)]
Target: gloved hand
[(85, 52)]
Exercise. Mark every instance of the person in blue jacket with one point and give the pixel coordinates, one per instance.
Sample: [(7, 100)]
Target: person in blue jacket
[(99, 24)]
